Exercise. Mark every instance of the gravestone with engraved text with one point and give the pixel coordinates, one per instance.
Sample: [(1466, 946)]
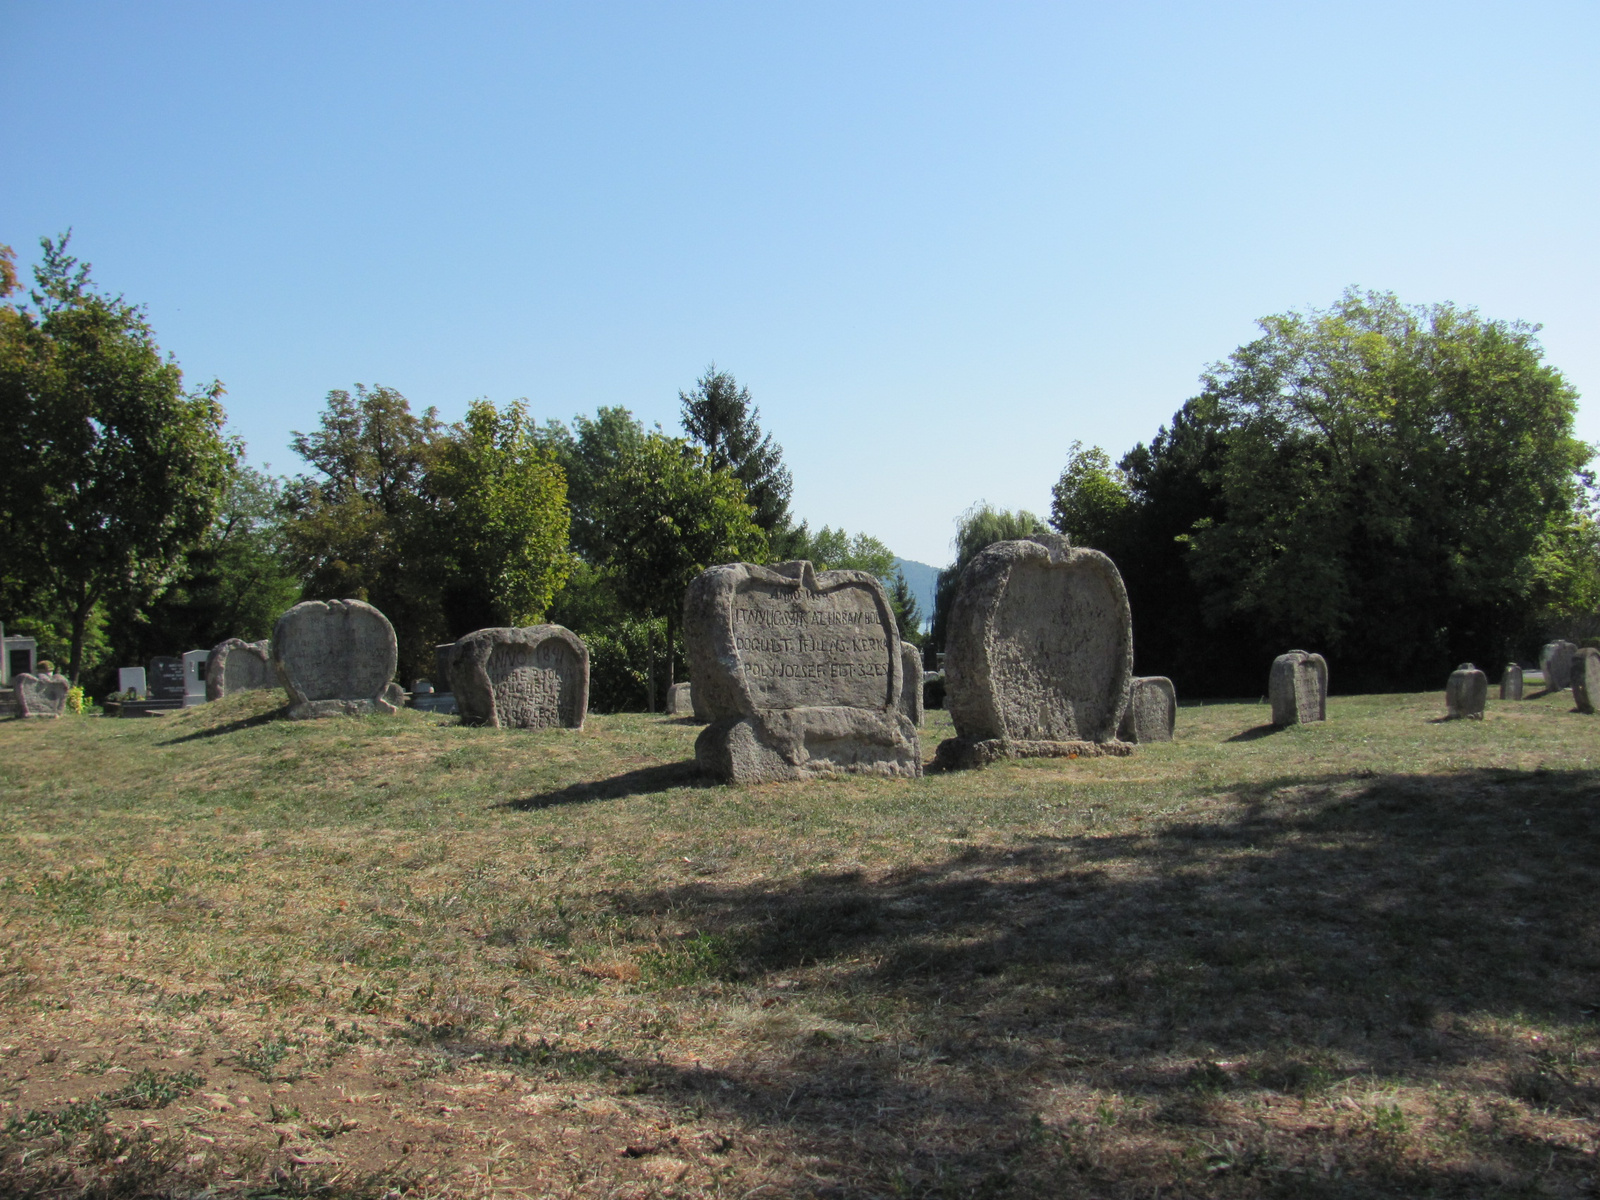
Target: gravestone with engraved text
[(532, 678), (336, 657), (1298, 688), (799, 672), (1152, 711)]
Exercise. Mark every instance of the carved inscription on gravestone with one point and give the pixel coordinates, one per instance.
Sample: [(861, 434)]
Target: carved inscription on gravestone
[(799, 673), (532, 678), (1298, 688)]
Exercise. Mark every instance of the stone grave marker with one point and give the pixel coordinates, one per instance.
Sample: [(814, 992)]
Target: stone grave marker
[(532, 678), (132, 679), (21, 656), (1586, 679), (166, 678), (1466, 693), (911, 683), (1152, 711), (236, 666), (336, 657), (1039, 654), (798, 672), (1298, 688), (41, 694), (1511, 682), (1555, 662), (680, 700)]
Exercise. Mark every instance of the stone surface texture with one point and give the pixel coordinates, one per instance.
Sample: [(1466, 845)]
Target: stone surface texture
[(799, 674), (1152, 711), (41, 695), (531, 678), (1298, 688), (1511, 682), (237, 666), (336, 657), (911, 683), (1586, 679), (680, 700), (1039, 654), (1555, 662), (1466, 693)]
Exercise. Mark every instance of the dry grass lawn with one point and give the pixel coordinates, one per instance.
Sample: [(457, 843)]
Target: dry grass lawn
[(398, 957)]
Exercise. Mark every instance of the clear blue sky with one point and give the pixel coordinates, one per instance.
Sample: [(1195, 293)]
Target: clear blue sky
[(937, 241)]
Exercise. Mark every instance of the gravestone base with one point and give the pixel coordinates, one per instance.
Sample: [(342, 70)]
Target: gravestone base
[(392, 700), (958, 753), (808, 743)]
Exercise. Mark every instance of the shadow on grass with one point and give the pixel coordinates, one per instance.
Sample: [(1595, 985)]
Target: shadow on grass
[(1332, 927), (643, 782), (1257, 733), (229, 727)]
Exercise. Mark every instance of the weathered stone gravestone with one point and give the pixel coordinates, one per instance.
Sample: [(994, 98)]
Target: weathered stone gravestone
[(1039, 654), (336, 657), (533, 678), (680, 700), (41, 695), (1511, 682), (1152, 710), (1555, 661), (799, 673), (1466, 693), (911, 683), (1586, 679), (1298, 688), (237, 666), (166, 678)]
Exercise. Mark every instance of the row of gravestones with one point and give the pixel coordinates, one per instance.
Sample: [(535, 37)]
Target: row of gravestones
[(1562, 664)]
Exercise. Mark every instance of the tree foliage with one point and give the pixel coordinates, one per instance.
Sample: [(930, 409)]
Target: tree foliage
[(499, 519), (118, 471), (1396, 486), (719, 417)]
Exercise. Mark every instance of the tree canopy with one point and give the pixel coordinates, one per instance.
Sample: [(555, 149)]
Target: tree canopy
[(1397, 486), (719, 417), (981, 525), (119, 470)]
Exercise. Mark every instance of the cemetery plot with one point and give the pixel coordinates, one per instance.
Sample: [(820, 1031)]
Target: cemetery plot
[(399, 955)]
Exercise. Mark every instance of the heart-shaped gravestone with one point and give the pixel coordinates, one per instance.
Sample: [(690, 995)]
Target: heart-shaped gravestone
[(533, 678), (336, 656), (1038, 655)]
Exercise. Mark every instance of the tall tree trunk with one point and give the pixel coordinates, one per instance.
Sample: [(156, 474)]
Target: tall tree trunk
[(670, 678), (650, 664), (80, 621)]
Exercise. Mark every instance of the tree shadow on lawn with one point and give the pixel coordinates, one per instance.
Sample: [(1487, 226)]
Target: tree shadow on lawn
[(643, 782), (1334, 927)]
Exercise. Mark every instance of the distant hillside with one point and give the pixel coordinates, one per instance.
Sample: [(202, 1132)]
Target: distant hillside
[(921, 578)]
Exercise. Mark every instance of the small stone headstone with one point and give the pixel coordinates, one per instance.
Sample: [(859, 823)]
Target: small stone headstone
[(533, 678), (1039, 654), (1511, 682), (336, 657), (1555, 661), (132, 679), (237, 666), (1586, 679), (41, 695), (911, 683), (1152, 711), (1466, 693), (680, 700), (1298, 688), (166, 678), (799, 673)]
